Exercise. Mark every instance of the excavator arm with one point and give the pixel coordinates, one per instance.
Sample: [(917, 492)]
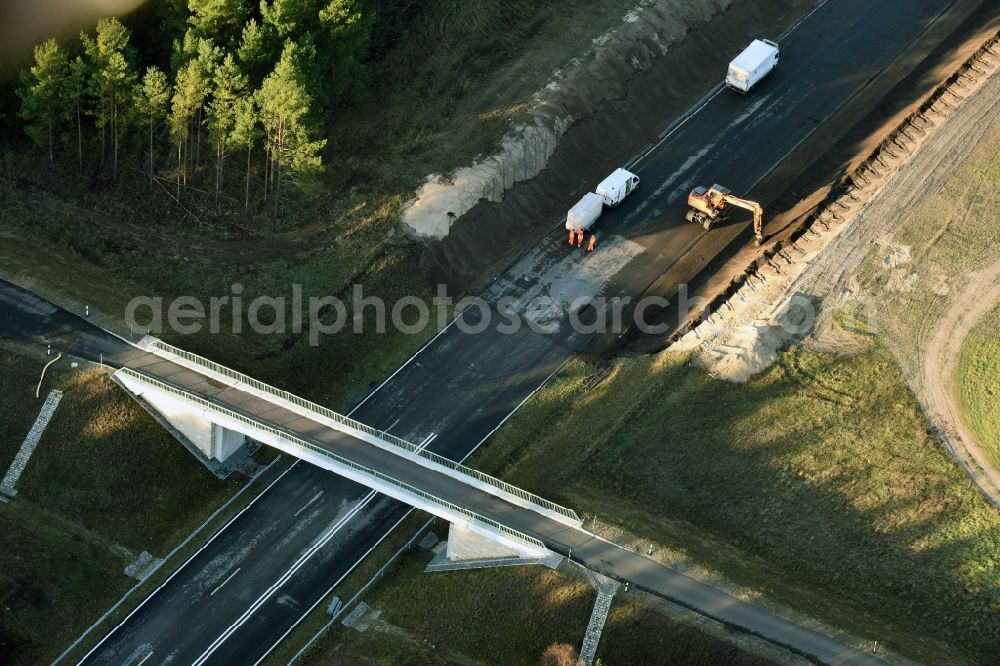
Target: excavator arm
[(752, 206)]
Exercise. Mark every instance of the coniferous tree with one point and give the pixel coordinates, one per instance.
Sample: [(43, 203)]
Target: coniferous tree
[(253, 51), (286, 17), (219, 19), (44, 101), (343, 43), (113, 77), (183, 105), (196, 59), (246, 131), (118, 79), (152, 97), (289, 130), (301, 56), (230, 86), (76, 92)]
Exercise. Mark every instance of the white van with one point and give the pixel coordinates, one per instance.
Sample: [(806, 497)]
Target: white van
[(617, 186), (748, 68)]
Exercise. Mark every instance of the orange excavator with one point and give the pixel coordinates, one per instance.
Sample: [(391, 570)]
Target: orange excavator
[(708, 206)]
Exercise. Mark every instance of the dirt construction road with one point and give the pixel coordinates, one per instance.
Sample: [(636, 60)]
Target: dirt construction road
[(981, 294)]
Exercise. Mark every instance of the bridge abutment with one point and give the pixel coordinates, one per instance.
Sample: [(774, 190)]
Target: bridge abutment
[(467, 549), (217, 446)]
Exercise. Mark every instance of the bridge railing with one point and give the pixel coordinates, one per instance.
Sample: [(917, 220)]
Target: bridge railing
[(198, 401), (348, 422)]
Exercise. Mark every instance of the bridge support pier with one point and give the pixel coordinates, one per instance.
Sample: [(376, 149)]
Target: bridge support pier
[(466, 549), (219, 448)]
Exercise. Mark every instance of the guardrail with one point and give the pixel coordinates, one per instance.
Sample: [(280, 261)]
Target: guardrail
[(194, 400), (358, 425)]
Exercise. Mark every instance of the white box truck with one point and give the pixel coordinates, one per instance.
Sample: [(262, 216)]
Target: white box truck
[(585, 212), (617, 186), (748, 68)]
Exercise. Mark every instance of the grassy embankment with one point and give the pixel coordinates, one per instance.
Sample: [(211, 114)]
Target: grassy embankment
[(979, 383), (105, 483), (419, 622), (816, 483)]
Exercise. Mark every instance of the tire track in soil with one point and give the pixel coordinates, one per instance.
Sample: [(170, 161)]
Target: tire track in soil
[(938, 371)]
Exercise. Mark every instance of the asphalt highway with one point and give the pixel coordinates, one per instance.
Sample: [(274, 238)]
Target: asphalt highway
[(462, 386)]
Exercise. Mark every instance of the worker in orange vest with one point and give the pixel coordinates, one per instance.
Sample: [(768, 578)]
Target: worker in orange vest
[(592, 243), (572, 236), (579, 238)]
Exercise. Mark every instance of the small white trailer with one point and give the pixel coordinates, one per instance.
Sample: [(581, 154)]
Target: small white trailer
[(585, 212), (748, 68), (617, 186)]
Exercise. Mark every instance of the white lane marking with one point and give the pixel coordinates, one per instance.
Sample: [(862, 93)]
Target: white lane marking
[(228, 578), (389, 531), (144, 659), (181, 567), (430, 438), (417, 353), (231, 520), (712, 94), (262, 599), (306, 505), (394, 424), (519, 405), (790, 29), (335, 584)]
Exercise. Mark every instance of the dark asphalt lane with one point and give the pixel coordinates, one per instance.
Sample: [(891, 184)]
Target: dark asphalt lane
[(30, 318), (461, 386), (221, 581)]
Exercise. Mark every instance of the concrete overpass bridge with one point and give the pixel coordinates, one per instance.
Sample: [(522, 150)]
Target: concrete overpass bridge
[(216, 408)]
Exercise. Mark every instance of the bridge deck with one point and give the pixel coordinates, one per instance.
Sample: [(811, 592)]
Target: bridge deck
[(354, 449)]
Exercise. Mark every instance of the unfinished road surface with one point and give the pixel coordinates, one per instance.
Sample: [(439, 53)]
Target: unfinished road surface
[(463, 385)]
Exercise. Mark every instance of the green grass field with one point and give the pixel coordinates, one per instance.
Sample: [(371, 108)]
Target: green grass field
[(506, 616), (979, 383), (816, 483), (105, 477)]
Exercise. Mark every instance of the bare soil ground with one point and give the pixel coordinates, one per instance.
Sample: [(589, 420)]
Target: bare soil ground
[(939, 377), (575, 91)]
